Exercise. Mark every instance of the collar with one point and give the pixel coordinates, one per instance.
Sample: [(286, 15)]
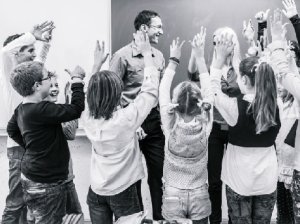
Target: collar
[(136, 51), (249, 97)]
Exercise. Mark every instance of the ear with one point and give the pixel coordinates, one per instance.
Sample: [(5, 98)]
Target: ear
[(36, 86), (144, 28), (246, 80)]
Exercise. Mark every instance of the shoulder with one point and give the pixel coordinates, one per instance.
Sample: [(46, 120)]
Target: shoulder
[(123, 52)]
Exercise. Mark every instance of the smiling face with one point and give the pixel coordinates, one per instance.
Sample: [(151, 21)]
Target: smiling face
[(53, 91), (155, 30), (26, 53)]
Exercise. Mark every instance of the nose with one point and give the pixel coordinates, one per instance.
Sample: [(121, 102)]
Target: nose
[(161, 31)]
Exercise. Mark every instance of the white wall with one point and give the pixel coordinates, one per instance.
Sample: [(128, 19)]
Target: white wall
[(78, 25)]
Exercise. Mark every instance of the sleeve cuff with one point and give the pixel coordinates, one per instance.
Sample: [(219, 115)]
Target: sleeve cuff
[(215, 73), (295, 19), (277, 45)]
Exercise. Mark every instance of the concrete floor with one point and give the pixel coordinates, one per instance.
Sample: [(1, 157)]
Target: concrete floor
[(81, 152)]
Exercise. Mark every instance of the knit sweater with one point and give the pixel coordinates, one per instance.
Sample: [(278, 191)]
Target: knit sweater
[(186, 155), (185, 164)]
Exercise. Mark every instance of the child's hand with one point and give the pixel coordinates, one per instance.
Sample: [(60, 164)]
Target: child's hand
[(141, 133), (248, 32), (100, 56), (224, 47), (77, 73), (175, 48), (198, 43), (290, 8), (141, 39), (262, 16), (38, 31), (278, 30)]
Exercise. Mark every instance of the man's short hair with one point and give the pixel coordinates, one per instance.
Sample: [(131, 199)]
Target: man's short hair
[(144, 17), (11, 38), (25, 75)]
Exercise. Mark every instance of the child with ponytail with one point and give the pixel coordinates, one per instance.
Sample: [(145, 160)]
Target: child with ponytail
[(186, 122), (249, 167)]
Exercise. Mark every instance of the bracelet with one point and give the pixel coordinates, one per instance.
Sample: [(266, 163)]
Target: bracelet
[(174, 59)]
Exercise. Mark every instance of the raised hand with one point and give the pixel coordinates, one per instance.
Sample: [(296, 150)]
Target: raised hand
[(100, 56), (248, 31), (290, 8), (141, 40), (38, 31), (198, 43), (224, 47), (262, 16), (78, 72), (278, 30), (175, 48)]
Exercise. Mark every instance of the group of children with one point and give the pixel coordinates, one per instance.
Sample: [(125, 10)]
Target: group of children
[(257, 98)]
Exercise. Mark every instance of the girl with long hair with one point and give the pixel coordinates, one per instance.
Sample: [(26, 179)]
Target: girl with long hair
[(249, 167), (116, 162)]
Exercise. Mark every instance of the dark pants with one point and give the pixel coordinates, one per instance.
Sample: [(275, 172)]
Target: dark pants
[(295, 189), (250, 209), (153, 149), (46, 201), (72, 205), (217, 142), (285, 214), (102, 208), (15, 209)]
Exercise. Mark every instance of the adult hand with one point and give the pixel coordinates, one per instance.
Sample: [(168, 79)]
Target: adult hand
[(38, 31), (248, 32), (262, 16), (175, 48), (100, 56), (141, 40), (278, 30), (198, 43), (290, 8)]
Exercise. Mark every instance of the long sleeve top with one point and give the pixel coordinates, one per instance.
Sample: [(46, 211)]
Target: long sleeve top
[(11, 97), (246, 170), (37, 127), (290, 80), (185, 142), (116, 161)]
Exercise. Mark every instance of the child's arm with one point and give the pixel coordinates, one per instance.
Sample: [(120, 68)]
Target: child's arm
[(226, 106), (167, 117), (51, 113), (290, 11), (69, 129), (14, 132), (138, 110), (279, 59)]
